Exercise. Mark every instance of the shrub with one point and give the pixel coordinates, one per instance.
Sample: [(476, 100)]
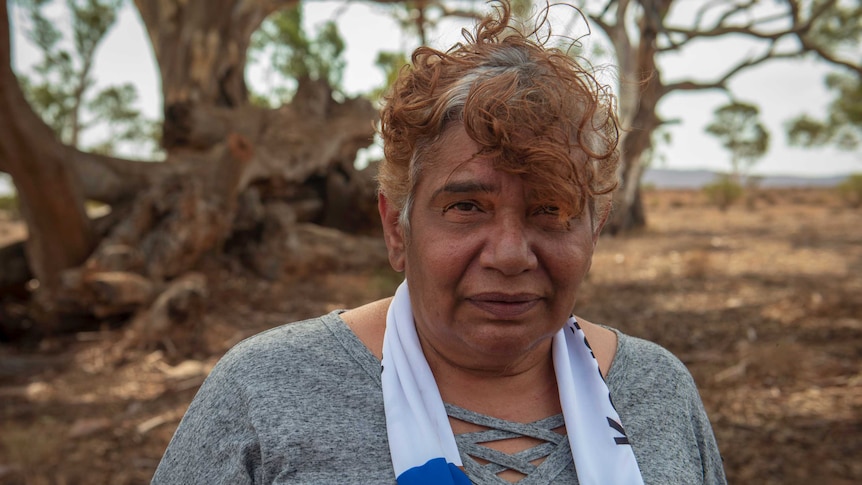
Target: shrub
[(723, 192), (850, 190)]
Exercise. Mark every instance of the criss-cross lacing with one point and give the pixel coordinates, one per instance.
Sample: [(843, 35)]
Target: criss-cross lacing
[(538, 464)]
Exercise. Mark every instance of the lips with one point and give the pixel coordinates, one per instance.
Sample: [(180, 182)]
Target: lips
[(505, 305)]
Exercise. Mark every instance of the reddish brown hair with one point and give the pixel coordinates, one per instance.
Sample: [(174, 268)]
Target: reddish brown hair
[(533, 109)]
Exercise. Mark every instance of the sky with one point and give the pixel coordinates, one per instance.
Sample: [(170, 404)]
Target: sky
[(782, 89)]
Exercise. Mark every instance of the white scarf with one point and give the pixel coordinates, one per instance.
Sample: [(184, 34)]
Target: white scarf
[(421, 440)]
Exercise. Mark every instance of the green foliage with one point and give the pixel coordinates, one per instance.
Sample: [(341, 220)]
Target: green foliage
[(838, 34), (723, 192), (840, 29), (61, 87), (737, 126), (842, 125), (127, 125), (850, 190), (291, 54)]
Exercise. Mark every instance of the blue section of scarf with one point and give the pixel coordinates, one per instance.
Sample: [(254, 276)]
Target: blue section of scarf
[(434, 472)]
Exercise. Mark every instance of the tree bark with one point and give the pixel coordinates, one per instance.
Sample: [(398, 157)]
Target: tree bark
[(298, 159), (640, 93), (51, 200), (171, 225), (201, 48)]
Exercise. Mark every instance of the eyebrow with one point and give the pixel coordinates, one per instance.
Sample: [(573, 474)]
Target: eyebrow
[(464, 187)]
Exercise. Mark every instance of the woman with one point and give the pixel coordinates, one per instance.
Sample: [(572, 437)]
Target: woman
[(500, 163)]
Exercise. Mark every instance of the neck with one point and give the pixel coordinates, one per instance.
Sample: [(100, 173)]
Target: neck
[(522, 389)]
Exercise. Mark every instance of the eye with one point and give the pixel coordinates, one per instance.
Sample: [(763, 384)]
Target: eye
[(547, 210), (463, 206), (549, 218)]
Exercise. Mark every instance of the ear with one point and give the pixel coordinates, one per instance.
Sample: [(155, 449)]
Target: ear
[(393, 233)]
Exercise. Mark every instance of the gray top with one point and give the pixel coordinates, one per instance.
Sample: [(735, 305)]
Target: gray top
[(553, 449), (302, 403)]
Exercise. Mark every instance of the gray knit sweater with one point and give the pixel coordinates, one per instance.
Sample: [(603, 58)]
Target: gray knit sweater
[(302, 403)]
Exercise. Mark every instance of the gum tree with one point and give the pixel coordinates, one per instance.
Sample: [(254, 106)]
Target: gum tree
[(640, 32), (277, 166)]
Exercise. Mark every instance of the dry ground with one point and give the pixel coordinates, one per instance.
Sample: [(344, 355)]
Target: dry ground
[(763, 303)]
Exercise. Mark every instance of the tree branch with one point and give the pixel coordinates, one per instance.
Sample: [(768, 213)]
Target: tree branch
[(597, 19), (719, 28), (721, 82)]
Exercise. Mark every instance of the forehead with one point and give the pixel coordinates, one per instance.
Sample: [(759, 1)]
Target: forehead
[(454, 156), (454, 145)]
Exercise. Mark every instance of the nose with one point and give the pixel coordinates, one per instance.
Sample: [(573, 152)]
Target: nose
[(508, 248)]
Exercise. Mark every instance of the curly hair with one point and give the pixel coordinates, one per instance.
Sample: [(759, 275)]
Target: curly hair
[(534, 110)]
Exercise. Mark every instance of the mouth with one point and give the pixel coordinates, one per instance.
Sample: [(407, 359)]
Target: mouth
[(505, 305)]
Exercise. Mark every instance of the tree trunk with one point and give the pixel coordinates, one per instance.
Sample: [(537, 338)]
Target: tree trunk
[(641, 90), (201, 50), (296, 162), (60, 233)]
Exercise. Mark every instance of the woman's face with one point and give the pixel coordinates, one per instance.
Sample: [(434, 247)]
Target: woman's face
[(492, 275)]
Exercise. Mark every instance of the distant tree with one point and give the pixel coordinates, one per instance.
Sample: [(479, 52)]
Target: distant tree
[(61, 88), (740, 131)]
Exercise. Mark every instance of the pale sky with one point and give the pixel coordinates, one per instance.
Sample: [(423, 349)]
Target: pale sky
[(781, 89)]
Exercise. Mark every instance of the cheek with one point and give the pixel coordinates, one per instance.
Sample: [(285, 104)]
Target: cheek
[(435, 262), (568, 265), (439, 252)]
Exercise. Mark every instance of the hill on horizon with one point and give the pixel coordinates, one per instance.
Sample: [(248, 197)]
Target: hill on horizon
[(664, 178)]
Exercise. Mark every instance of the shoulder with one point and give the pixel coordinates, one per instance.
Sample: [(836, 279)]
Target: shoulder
[(602, 341), (663, 415), (288, 338), (272, 405), (368, 323), (305, 366), (647, 382), (295, 334), (641, 363), (312, 343)]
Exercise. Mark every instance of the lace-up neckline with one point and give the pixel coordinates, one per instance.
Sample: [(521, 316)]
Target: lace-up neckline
[(539, 464)]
